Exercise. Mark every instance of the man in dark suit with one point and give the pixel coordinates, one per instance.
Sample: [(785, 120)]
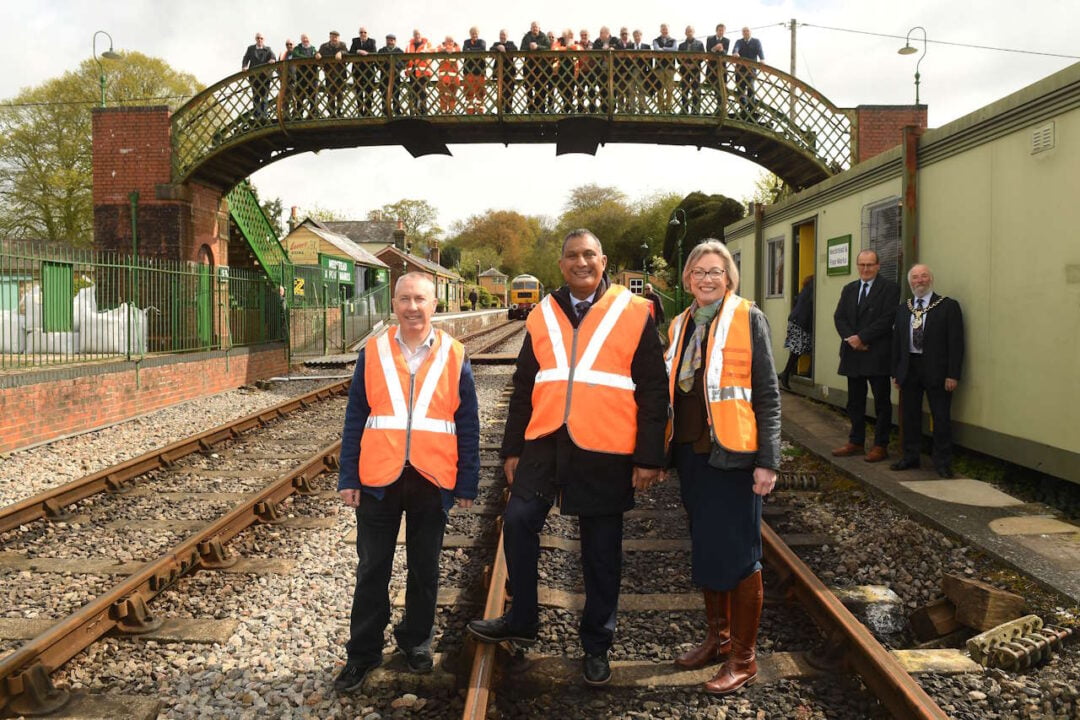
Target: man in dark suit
[(364, 74), (690, 73), (864, 318), (927, 352)]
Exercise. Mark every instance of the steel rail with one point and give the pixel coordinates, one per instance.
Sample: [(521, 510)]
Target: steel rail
[(113, 479), (479, 690), (21, 672), (885, 677)]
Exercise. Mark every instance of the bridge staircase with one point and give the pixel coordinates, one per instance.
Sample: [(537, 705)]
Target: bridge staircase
[(253, 224)]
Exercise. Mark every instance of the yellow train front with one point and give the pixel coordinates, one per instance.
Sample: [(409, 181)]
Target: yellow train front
[(525, 293)]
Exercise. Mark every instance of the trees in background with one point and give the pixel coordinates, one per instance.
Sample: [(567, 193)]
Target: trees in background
[(46, 143)]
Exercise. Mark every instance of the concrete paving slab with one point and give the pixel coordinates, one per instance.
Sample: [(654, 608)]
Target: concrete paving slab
[(1032, 525), (963, 491)]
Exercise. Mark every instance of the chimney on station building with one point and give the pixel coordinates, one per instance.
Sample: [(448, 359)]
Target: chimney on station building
[(433, 251), (399, 237), (294, 218)]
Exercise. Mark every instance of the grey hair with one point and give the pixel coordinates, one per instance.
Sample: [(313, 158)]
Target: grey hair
[(714, 246), (415, 275), (582, 232)]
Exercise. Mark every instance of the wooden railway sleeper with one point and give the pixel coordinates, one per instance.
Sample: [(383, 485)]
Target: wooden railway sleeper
[(32, 692), (133, 616), (213, 555)]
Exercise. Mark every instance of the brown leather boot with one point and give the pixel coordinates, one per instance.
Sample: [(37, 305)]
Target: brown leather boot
[(741, 666), (717, 641)]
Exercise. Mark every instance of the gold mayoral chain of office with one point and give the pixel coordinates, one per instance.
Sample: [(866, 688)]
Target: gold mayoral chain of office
[(917, 313)]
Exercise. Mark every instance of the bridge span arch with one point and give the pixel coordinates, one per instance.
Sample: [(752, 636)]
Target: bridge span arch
[(577, 100)]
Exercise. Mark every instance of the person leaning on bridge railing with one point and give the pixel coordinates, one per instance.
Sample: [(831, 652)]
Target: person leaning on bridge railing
[(363, 73), (509, 71), (665, 69), (474, 74), (586, 85), (391, 71), (690, 73), (305, 81), (716, 72), (566, 70), (449, 77), (420, 73), (532, 69), (640, 71), (333, 51), (258, 55), (748, 48), (600, 68)]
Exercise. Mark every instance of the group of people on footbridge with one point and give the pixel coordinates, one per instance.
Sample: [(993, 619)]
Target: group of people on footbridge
[(599, 411), (571, 84)]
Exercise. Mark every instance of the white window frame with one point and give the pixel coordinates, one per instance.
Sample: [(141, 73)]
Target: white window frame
[(774, 267)]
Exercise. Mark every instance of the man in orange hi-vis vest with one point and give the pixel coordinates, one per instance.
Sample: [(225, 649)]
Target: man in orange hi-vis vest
[(411, 444), (585, 429)]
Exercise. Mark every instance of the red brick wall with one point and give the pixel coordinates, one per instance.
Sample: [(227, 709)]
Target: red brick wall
[(34, 413), (132, 151), (880, 127)]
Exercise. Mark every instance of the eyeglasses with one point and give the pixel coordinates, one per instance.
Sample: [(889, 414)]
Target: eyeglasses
[(714, 274)]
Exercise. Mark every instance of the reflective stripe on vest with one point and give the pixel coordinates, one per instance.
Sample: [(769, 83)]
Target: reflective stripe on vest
[(572, 383), (424, 434)]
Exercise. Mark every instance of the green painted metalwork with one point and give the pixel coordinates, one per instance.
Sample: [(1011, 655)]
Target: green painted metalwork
[(738, 106), (78, 305), (256, 228)]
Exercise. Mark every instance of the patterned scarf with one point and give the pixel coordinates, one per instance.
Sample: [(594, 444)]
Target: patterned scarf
[(691, 361)]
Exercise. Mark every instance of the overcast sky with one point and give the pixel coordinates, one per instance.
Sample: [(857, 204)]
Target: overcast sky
[(208, 39)]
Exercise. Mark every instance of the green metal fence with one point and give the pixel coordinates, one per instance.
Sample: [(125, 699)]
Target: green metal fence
[(62, 305), (323, 323)]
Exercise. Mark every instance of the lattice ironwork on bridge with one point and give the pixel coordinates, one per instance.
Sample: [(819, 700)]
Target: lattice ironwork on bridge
[(577, 99)]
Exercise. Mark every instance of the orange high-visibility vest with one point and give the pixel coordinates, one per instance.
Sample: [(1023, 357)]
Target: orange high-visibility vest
[(728, 354), (412, 416), (419, 68), (448, 67), (584, 381)]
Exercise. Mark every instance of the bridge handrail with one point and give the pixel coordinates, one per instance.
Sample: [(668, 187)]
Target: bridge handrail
[(621, 85)]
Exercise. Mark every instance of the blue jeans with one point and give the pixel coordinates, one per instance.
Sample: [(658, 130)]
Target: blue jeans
[(377, 524)]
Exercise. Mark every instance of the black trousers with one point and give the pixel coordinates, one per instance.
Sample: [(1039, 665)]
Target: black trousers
[(915, 385), (377, 524), (856, 408), (601, 562)]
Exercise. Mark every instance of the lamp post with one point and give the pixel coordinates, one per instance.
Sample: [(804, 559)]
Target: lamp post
[(108, 54), (678, 253), (644, 265), (908, 50)]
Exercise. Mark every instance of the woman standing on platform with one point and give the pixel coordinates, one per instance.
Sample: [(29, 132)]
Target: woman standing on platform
[(725, 440), (800, 339)]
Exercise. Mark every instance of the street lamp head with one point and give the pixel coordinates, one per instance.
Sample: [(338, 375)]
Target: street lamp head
[(645, 246), (110, 55), (907, 50), (674, 220)]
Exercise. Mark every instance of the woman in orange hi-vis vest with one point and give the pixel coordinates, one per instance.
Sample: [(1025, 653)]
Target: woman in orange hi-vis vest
[(725, 442), (449, 77)]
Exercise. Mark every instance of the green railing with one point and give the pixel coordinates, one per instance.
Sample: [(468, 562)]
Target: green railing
[(61, 305), (253, 224), (704, 90), (321, 323)]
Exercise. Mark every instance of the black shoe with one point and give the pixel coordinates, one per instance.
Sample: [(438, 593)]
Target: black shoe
[(418, 659), (784, 379), (904, 464), (597, 670), (352, 676), (498, 630), (945, 472)]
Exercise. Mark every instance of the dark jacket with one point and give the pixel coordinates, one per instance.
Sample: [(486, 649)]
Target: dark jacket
[(803, 312), (255, 56), (943, 342), (872, 322), (584, 482), (466, 419), (367, 46), (541, 40)]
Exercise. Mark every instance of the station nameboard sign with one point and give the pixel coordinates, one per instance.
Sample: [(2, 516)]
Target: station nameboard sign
[(839, 255)]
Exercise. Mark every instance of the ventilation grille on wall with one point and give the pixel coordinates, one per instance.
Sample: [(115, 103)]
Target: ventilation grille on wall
[(1042, 138)]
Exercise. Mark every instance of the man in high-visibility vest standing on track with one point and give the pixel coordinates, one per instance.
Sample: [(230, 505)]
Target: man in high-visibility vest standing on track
[(411, 445), (585, 429)]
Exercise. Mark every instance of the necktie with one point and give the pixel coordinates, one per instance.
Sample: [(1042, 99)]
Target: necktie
[(865, 291), (917, 333), (582, 308)]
